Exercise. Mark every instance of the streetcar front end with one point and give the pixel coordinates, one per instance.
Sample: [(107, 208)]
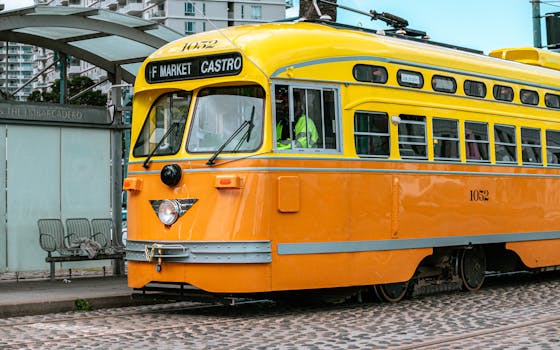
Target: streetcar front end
[(198, 120)]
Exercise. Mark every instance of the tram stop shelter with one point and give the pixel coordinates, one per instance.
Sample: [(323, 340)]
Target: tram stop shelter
[(65, 161)]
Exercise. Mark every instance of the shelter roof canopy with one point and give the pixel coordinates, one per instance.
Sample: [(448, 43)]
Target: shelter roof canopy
[(107, 39)]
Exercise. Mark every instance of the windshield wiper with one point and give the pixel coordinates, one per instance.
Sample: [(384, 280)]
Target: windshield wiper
[(146, 163), (247, 136), (235, 133)]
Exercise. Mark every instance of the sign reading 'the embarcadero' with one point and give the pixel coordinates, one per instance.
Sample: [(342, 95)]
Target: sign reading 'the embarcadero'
[(194, 67)]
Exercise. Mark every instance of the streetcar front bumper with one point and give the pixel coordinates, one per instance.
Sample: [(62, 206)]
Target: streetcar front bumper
[(231, 252)]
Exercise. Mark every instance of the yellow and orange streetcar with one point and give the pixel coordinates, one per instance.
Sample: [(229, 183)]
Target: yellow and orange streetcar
[(306, 155)]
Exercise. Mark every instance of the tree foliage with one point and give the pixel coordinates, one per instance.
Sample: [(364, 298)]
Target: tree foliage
[(75, 85)]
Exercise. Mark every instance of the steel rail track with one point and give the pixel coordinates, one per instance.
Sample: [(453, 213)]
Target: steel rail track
[(449, 340), (94, 333)]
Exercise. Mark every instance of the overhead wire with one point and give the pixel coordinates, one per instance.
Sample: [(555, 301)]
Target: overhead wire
[(197, 8)]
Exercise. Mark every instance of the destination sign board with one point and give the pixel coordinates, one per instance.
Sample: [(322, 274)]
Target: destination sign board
[(194, 67)]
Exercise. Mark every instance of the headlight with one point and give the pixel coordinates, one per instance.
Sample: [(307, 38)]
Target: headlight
[(168, 212)]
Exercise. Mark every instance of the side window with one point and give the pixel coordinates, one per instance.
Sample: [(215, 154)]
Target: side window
[(446, 139), (444, 84), (412, 137), (474, 88), (371, 134), (410, 79), (504, 137), (370, 74), (503, 93), (306, 118), (553, 147), (529, 97), (531, 146), (477, 142), (552, 101)]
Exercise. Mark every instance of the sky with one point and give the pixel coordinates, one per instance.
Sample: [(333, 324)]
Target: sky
[(483, 25)]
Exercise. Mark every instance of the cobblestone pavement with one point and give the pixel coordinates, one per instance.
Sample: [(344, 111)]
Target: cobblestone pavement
[(512, 313)]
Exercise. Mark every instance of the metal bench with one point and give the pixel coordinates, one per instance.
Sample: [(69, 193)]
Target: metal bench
[(61, 247), (103, 232)]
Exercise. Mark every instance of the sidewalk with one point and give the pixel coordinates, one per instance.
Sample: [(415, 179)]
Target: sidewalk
[(34, 297)]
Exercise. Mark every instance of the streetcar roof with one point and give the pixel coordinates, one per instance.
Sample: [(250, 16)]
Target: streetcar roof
[(276, 46)]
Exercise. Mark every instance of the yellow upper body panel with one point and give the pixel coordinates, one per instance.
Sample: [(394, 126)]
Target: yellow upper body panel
[(275, 48)]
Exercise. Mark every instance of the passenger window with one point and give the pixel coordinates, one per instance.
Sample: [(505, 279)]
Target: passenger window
[(371, 134), (553, 147), (552, 101), (506, 145), (412, 137), (306, 118), (446, 139), (444, 84), (410, 79), (503, 93), (477, 142), (529, 97), (474, 88), (370, 74), (531, 146)]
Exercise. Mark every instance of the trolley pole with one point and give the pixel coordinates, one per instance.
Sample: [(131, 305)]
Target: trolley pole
[(536, 23)]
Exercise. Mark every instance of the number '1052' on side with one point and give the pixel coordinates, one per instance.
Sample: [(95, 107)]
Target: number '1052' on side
[(479, 195)]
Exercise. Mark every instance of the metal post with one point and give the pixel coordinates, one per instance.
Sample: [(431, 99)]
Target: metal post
[(63, 74), (116, 156), (536, 23), (6, 82)]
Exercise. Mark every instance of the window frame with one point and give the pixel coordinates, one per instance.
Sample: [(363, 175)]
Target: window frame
[(145, 134), (498, 96), (373, 68), (443, 138), (190, 8), (194, 119), (486, 142), (373, 134), (190, 32), (337, 125), (413, 143), (469, 91), (547, 131), (256, 11), (400, 72), (444, 78), (533, 94), (505, 144), (539, 146), (548, 104)]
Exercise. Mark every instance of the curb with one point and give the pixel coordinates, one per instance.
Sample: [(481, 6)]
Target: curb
[(47, 307)]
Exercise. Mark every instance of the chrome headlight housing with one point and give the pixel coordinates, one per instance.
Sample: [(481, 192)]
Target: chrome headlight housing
[(169, 211)]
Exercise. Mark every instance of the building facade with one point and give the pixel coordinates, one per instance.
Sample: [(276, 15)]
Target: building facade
[(24, 62)]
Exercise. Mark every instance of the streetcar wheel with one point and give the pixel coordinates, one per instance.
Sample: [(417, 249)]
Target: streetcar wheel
[(391, 292), (472, 267)]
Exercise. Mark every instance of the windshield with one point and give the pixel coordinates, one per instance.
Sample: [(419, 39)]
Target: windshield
[(164, 125), (220, 112)]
